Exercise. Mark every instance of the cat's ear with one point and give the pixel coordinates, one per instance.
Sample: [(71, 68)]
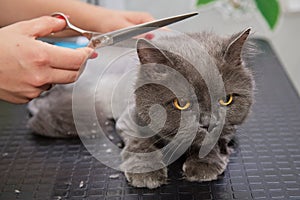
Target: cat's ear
[(234, 49), (153, 61), (149, 53)]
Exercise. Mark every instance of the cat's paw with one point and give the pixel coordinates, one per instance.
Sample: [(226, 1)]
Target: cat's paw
[(195, 170), (150, 180)]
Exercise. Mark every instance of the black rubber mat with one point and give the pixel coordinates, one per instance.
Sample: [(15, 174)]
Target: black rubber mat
[(265, 164)]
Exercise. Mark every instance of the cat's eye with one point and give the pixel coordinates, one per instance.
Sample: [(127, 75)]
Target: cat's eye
[(178, 106), (227, 100)]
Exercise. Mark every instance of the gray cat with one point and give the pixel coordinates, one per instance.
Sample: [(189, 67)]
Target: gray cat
[(192, 111)]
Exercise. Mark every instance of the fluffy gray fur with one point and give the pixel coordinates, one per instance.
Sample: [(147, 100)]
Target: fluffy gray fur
[(226, 52), (238, 81)]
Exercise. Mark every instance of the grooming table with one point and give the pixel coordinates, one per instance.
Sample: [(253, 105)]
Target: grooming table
[(265, 164)]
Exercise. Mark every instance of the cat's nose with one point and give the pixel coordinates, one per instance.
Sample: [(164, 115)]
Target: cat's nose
[(208, 121)]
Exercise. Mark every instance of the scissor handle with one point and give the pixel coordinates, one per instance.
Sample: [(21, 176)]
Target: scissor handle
[(85, 33)]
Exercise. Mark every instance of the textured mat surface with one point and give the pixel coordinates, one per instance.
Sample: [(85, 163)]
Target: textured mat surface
[(265, 164)]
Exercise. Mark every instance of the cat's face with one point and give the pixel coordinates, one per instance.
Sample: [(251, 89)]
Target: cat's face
[(175, 75)]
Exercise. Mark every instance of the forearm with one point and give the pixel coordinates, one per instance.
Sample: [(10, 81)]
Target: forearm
[(80, 13)]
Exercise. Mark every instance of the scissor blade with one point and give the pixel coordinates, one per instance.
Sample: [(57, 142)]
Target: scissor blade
[(126, 33)]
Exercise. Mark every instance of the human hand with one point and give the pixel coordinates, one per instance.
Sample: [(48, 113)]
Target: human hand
[(29, 66), (115, 20)]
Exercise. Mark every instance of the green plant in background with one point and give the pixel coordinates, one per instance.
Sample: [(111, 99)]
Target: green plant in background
[(270, 9)]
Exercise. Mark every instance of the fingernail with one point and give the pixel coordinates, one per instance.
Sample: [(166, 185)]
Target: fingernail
[(93, 55), (149, 36), (61, 17)]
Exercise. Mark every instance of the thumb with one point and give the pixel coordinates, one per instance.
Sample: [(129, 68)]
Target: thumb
[(43, 26)]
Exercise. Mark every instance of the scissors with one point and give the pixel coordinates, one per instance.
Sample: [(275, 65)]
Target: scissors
[(97, 40)]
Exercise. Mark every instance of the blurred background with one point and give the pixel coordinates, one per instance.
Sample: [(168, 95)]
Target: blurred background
[(222, 18)]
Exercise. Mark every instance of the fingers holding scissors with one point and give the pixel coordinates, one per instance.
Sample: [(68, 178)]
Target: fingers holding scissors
[(26, 72)]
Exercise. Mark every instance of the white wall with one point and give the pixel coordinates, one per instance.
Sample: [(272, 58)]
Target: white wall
[(285, 39)]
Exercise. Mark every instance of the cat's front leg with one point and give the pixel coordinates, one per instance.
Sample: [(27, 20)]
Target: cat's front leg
[(142, 164), (207, 168)]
